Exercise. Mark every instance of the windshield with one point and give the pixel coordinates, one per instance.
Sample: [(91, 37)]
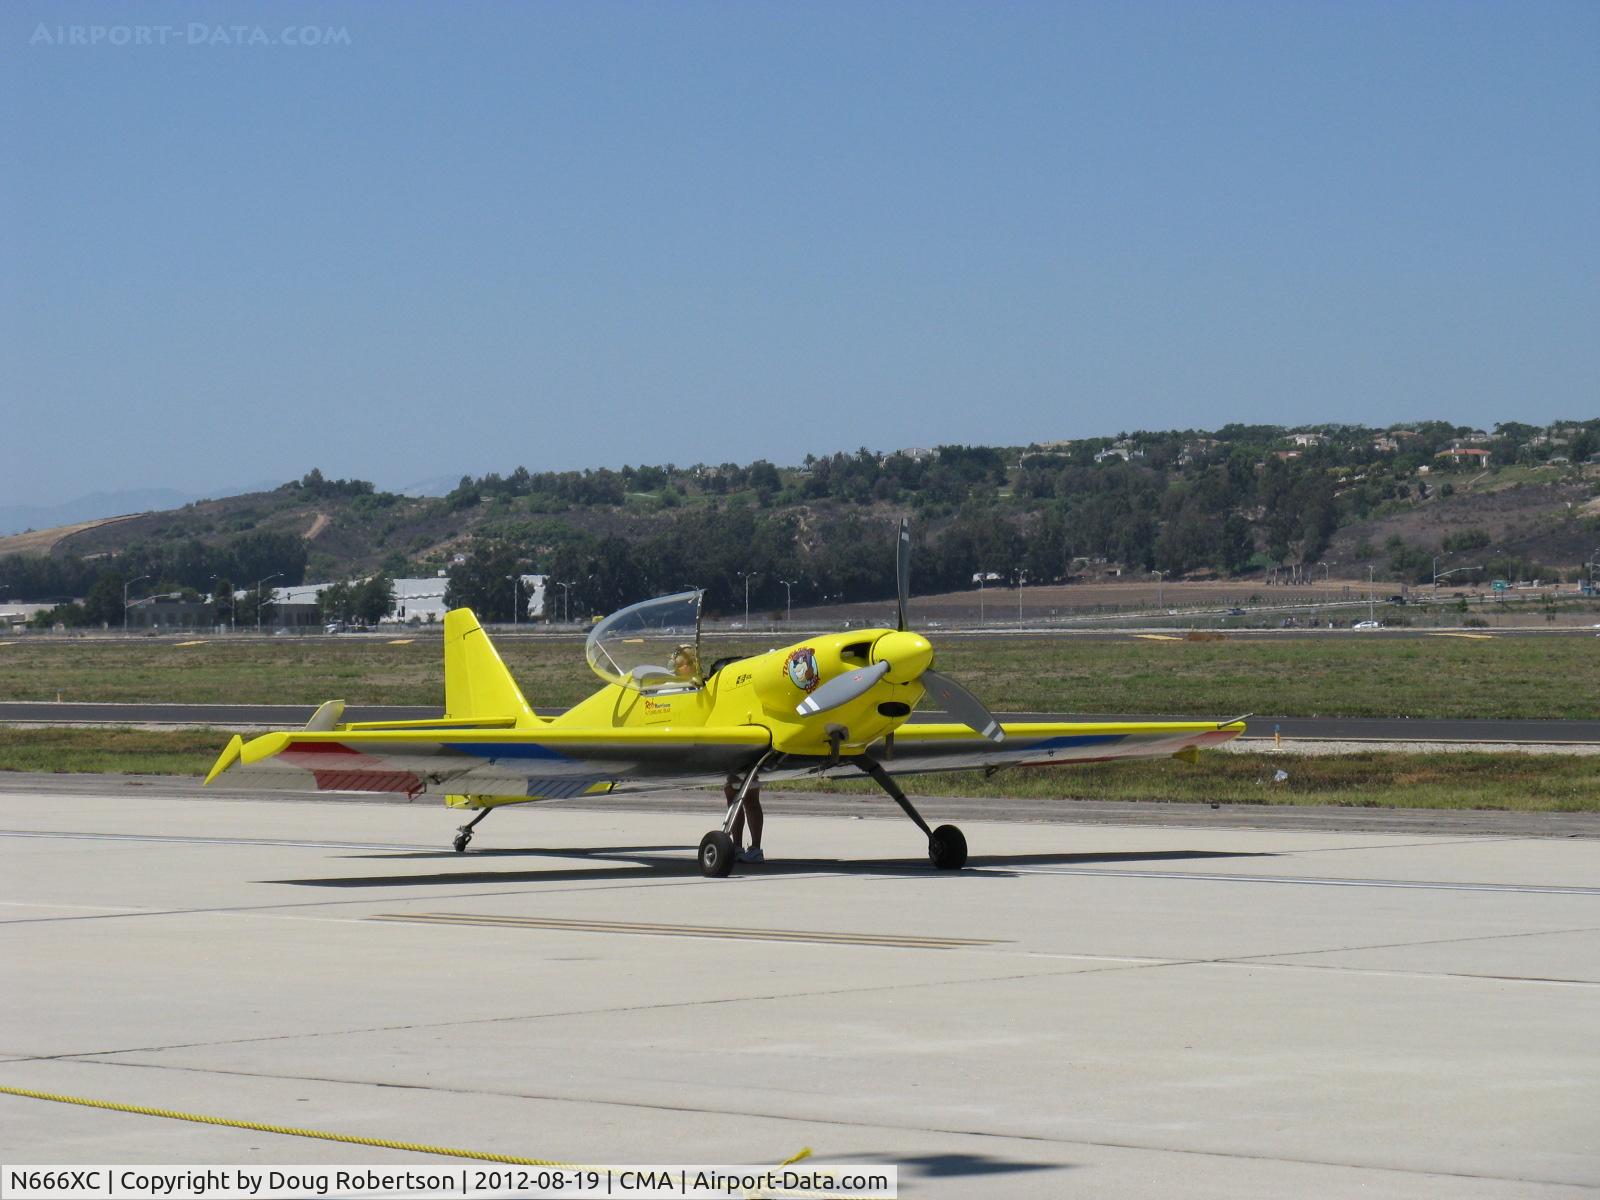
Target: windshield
[(649, 645)]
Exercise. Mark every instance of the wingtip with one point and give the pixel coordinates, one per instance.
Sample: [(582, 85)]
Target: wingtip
[(226, 759)]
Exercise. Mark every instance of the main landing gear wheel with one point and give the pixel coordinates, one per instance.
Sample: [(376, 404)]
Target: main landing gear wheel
[(716, 854), (947, 847)]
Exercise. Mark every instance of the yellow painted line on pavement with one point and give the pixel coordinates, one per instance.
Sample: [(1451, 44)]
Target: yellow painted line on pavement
[(401, 641), (1158, 637), (352, 1139), (1477, 637), (286, 1130), (317, 1134), (200, 642)]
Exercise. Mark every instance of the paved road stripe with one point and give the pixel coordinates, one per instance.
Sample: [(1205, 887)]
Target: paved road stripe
[(1310, 881), (909, 942), (167, 838)]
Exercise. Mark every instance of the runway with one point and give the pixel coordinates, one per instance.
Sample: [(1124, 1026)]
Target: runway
[(1105, 1010), (1344, 729)]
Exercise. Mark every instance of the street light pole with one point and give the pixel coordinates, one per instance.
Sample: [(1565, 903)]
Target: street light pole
[(980, 597), (261, 583), (1161, 583), (1022, 578), (747, 576), (566, 602), (1372, 611), (516, 581), (125, 588), (788, 600)]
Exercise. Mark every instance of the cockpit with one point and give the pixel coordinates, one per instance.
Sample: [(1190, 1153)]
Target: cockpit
[(650, 646)]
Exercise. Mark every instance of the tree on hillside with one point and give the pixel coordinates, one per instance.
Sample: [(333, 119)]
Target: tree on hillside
[(336, 602), (103, 605), (222, 598), (483, 582), (374, 599)]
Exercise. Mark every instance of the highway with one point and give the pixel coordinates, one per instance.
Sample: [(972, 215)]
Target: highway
[(1344, 729)]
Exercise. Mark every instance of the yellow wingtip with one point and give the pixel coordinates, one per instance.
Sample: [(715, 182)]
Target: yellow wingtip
[(227, 758)]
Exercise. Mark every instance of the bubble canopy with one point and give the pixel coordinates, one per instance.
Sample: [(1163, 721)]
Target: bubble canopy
[(650, 645)]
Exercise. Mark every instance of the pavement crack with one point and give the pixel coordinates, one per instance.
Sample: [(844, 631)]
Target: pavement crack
[(1479, 937), (765, 997)]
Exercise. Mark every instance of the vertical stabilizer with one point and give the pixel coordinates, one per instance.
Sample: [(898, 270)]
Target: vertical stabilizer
[(476, 682)]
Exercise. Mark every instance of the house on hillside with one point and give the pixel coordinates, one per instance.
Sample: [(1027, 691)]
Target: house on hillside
[(1306, 439), (1124, 450), (1195, 450), (1465, 454), (1037, 450)]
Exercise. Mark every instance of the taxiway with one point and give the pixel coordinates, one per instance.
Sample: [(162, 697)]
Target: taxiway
[(1101, 1010)]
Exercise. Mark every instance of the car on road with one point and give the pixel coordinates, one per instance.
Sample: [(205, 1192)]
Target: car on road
[(1366, 625)]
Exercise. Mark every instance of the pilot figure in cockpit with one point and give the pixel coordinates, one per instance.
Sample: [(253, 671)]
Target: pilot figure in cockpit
[(686, 664)]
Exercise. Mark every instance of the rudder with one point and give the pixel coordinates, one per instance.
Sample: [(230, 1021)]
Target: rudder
[(476, 681)]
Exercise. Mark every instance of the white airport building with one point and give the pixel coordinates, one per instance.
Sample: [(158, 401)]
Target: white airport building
[(415, 600)]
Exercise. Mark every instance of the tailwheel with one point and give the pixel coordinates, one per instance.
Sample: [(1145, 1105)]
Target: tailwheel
[(464, 832), (717, 853), (947, 847)]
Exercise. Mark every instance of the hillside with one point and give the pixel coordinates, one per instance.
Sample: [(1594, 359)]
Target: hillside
[(1241, 502)]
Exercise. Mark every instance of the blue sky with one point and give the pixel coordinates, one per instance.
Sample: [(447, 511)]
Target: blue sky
[(467, 237)]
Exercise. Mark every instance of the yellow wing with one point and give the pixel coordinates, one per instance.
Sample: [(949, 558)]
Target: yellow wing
[(919, 749), (447, 758)]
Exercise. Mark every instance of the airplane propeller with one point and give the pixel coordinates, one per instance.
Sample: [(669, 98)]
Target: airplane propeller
[(842, 689), (902, 572), (962, 705), (915, 653)]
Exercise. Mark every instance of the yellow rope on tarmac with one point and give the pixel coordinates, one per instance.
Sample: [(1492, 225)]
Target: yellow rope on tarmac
[(286, 1130)]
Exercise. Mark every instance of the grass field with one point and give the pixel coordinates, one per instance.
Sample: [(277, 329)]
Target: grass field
[(1373, 779), (1371, 676)]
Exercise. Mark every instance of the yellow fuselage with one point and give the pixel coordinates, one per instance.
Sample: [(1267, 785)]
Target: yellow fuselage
[(765, 689)]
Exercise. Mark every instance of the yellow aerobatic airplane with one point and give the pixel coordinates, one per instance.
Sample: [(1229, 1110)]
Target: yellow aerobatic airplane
[(832, 705)]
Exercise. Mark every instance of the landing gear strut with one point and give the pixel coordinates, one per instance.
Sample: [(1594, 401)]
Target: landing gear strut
[(717, 850), (947, 847), (464, 833)]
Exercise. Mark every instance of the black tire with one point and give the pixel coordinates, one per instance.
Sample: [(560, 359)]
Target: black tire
[(948, 848), (716, 855), (461, 842)]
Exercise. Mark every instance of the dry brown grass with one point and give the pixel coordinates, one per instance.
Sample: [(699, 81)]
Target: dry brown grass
[(43, 541)]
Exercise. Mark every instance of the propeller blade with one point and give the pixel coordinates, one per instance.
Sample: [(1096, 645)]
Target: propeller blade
[(842, 689), (962, 705), (902, 569)]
